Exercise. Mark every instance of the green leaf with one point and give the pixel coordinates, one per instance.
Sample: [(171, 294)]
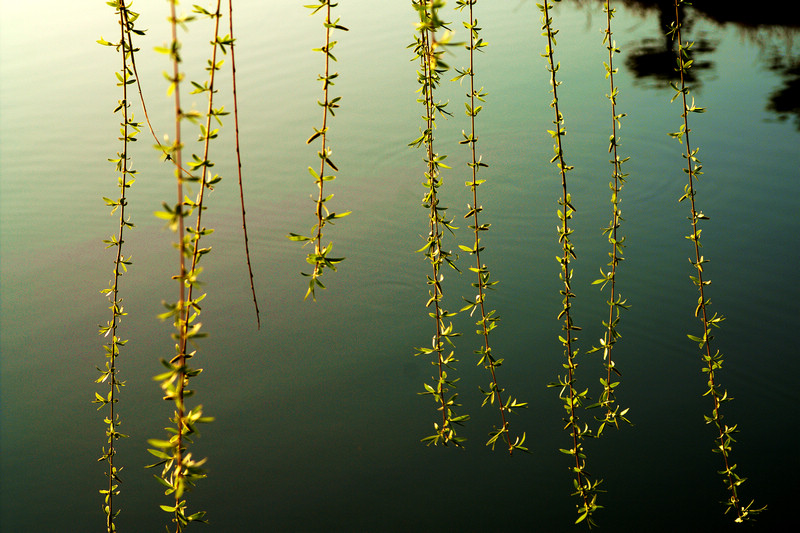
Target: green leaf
[(159, 454), (158, 443)]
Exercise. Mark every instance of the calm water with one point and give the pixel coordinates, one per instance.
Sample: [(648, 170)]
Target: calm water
[(318, 420)]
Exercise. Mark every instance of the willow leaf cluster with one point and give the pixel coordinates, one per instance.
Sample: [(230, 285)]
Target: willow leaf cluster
[(488, 320), (180, 471), (430, 51), (109, 375), (616, 303), (712, 358), (585, 488), (320, 258)]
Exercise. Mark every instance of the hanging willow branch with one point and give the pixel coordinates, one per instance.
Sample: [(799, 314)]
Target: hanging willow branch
[(320, 258), (586, 489), (487, 321), (429, 51), (616, 304), (109, 375), (180, 471), (712, 358)]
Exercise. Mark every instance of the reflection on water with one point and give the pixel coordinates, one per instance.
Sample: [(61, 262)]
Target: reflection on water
[(785, 101), (652, 60), (741, 12), (318, 419)]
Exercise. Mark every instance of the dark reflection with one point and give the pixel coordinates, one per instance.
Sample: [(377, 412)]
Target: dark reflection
[(652, 61), (785, 101), (740, 12)]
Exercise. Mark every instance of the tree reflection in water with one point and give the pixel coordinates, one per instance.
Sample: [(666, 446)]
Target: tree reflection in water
[(652, 60)]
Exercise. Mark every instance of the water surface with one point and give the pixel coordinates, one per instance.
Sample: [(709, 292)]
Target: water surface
[(318, 417)]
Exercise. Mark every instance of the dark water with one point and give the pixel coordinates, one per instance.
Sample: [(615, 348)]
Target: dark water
[(318, 417)]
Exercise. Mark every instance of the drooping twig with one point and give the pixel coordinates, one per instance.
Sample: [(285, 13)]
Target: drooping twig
[(613, 412), (239, 162), (586, 489), (320, 258), (488, 320), (429, 51), (712, 358)]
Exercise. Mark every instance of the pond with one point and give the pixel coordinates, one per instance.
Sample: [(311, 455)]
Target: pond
[(318, 416)]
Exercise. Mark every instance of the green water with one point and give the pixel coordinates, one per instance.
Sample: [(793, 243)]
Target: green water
[(318, 420)]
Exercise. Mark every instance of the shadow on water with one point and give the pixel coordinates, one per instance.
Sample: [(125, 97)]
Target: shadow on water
[(652, 60), (739, 12), (785, 101)]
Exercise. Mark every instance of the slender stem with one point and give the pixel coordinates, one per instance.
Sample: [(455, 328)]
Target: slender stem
[(428, 50), (710, 358), (117, 274), (139, 85), (189, 304), (615, 220), (566, 254), (479, 266), (239, 163), (324, 136), (615, 302), (584, 487), (164, 149), (428, 60), (204, 173), (319, 258), (183, 312)]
